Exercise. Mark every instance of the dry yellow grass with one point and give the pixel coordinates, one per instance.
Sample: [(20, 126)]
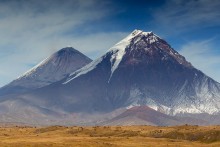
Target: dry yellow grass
[(126, 136)]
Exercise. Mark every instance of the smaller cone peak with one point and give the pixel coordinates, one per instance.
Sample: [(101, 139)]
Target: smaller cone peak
[(60, 59), (66, 50)]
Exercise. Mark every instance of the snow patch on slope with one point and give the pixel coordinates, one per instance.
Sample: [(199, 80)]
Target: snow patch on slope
[(137, 98), (204, 101), (119, 50), (83, 70)]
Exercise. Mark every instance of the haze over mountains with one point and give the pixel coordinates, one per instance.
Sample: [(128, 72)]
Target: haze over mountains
[(140, 79)]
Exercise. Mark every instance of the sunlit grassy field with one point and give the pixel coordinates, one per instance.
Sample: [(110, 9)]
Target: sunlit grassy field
[(104, 136)]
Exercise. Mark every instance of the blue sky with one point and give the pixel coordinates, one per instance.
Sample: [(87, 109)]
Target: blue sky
[(31, 30)]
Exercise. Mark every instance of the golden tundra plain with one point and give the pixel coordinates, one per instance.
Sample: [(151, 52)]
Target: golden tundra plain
[(107, 136)]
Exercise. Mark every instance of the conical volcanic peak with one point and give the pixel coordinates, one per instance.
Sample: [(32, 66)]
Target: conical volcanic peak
[(138, 45), (67, 51), (143, 69), (52, 69), (59, 61)]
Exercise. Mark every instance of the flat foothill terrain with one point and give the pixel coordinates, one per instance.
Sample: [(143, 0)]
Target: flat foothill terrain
[(104, 136)]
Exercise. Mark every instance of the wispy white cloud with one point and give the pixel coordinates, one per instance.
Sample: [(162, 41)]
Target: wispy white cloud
[(181, 15), (24, 25), (204, 55)]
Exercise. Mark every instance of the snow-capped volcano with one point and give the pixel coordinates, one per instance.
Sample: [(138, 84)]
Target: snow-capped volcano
[(52, 69), (143, 69), (140, 40)]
